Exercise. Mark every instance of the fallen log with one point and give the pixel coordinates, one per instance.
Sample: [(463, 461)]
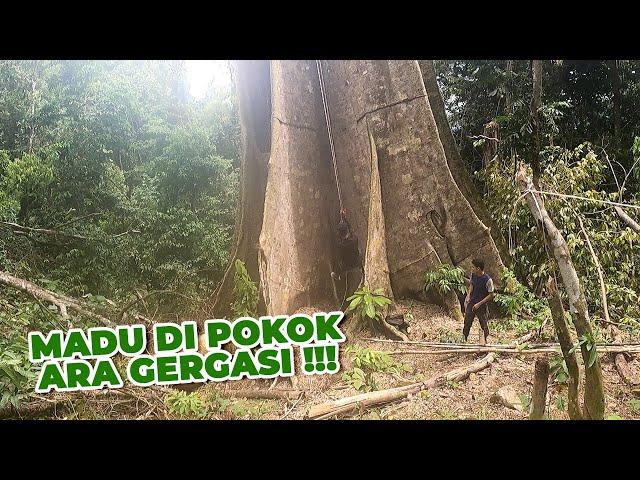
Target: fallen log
[(63, 303), (460, 345)]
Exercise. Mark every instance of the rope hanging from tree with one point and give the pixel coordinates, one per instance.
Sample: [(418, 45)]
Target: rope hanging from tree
[(327, 118)]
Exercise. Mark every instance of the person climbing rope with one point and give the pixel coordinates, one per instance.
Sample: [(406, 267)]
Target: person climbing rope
[(349, 259), (477, 302)]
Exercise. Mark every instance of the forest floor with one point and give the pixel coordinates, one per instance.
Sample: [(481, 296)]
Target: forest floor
[(468, 399)]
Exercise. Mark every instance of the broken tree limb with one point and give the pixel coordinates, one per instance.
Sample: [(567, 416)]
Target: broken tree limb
[(539, 395), (627, 219), (45, 231), (593, 392), (63, 303)]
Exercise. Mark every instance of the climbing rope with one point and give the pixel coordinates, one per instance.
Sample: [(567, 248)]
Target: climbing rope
[(328, 122), (586, 199)]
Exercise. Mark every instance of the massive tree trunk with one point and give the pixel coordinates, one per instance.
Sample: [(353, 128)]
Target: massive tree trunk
[(380, 117)]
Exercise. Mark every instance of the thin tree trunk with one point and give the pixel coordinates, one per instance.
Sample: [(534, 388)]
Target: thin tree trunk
[(536, 67), (593, 394), (32, 110), (540, 382), (617, 99), (564, 338), (509, 89)]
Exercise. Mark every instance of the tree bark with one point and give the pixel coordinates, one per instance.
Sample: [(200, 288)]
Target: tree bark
[(593, 396), (540, 382), (620, 361), (295, 255)]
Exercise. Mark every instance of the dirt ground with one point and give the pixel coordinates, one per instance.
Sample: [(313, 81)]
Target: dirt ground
[(468, 399)]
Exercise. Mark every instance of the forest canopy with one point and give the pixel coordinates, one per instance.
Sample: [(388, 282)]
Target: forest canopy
[(136, 178)]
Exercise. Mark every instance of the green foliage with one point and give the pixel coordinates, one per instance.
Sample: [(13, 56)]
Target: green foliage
[(366, 362), (527, 311), (559, 370), (581, 156), (634, 405), (216, 402), (245, 292), (447, 336), (525, 400), (583, 173), (252, 409), (368, 304), (453, 385), (185, 405), (445, 279), (17, 373), (589, 342), (17, 318), (117, 152)]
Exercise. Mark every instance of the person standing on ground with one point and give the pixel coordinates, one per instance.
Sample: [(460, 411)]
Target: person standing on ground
[(477, 301)]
